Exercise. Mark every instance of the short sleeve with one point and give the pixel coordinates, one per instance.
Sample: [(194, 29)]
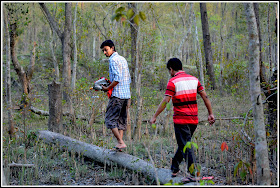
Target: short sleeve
[(170, 89), (199, 87)]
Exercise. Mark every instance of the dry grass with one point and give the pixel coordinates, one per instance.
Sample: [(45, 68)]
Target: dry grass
[(55, 167)]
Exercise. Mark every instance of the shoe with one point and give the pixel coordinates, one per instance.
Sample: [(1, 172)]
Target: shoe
[(117, 149), (174, 174), (192, 177), (185, 180)]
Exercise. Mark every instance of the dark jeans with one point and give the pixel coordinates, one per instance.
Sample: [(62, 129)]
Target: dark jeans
[(183, 135)]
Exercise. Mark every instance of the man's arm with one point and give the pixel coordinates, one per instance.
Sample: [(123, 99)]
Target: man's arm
[(211, 118), (160, 108), (112, 85)]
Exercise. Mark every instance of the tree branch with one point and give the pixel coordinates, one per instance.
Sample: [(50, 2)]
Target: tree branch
[(32, 63), (50, 19)]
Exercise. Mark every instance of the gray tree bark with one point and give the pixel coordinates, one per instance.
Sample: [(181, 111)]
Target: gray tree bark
[(8, 76), (266, 84), (107, 156), (55, 107), (52, 47), (128, 128), (207, 45), (263, 170), (262, 67), (134, 33), (223, 7), (24, 76), (65, 37), (200, 65), (73, 83)]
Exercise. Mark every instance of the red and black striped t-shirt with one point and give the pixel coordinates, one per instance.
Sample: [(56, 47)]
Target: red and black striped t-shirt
[(183, 89)]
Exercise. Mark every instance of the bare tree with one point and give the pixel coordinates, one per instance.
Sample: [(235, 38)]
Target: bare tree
[(207, 45), (66, 50), (8, 77), (73, 84), (24, 75), (268, 85), (263, 170), (52, 47), (223, 7), (134, 33), (200, 64)]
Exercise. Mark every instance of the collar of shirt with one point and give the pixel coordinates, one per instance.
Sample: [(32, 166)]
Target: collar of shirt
[(179, 72), (114, 54)]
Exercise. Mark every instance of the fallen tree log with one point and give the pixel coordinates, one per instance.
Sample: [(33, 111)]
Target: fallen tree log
[(106, 156)]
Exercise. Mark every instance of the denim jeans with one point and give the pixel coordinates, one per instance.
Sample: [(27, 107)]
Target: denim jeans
[(183, 135)]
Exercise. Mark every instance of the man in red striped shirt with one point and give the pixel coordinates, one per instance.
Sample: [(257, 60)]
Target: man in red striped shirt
[(183, 89)]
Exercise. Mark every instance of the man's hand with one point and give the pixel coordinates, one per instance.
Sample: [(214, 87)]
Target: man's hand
[(211, 119), (105, 89)]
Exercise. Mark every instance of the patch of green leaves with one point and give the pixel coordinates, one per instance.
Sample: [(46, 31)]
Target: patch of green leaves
[(189, 145), (243, 172)]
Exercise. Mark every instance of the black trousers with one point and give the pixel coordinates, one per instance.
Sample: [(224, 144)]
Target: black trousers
[(183, 135)]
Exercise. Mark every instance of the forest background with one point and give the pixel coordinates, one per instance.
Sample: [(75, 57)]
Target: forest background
[(48, 43)]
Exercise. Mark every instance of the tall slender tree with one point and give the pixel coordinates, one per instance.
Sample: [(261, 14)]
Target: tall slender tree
[(200, 63), (8, 76), (73, 83), (134, 33), (263, 170), (25, 76), (207, 45), (65, 37), (267, 84)]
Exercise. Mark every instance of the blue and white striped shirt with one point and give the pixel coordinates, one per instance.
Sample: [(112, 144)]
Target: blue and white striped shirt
[(118, 71)]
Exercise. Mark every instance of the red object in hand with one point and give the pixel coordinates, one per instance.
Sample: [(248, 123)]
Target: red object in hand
[(110, 91)]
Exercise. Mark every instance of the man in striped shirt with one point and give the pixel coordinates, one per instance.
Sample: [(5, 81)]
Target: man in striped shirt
[(116, 114), (183, 89)]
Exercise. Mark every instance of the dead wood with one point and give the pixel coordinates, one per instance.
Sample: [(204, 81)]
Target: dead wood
[(106, 156), (13, 164)]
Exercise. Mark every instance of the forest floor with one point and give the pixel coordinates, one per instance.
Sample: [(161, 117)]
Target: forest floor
[(56, 167)]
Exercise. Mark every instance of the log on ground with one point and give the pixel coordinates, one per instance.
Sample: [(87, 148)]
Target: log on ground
[(106, 156)]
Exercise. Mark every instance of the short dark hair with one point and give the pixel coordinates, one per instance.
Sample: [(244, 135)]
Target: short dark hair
[(108, 43), (175, 64)]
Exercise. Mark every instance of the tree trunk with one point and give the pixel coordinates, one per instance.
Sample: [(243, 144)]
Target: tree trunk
[(55, 64), (138, 71), (73, 84), (107, 156), (8, 77), (93, 49), (262, 67), (269, 43), (134, 33), (221, 86), (55, 107), (24, 76), (263, 170), (52, 47), (128, 128), (207, 45), (267, 84), (138, 116), (200, 66), (181, 49), (65, 37)]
